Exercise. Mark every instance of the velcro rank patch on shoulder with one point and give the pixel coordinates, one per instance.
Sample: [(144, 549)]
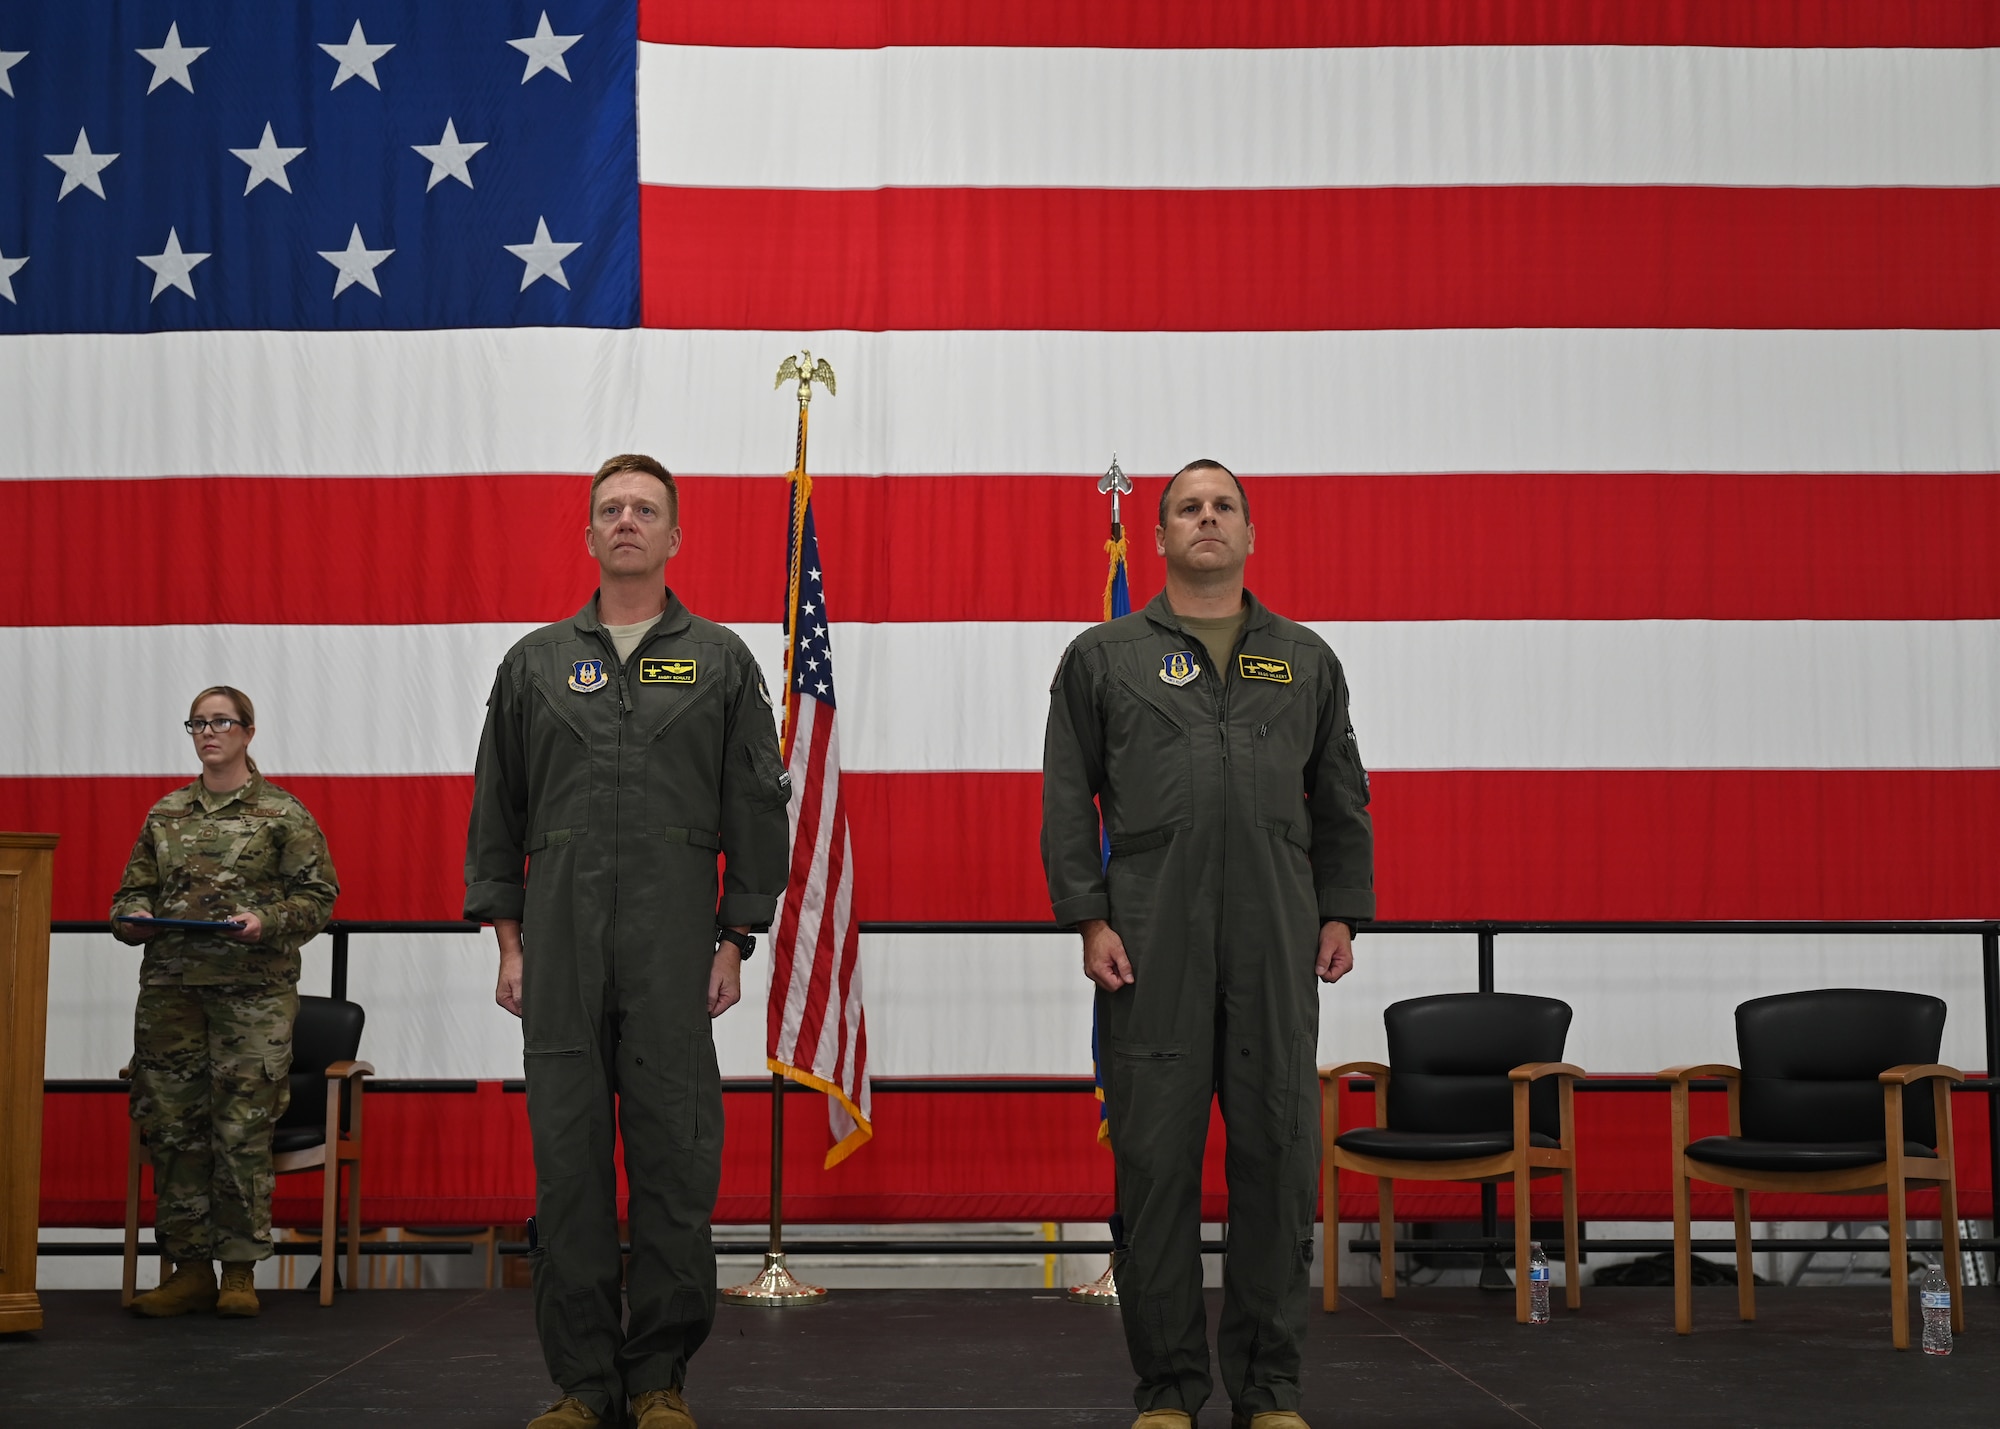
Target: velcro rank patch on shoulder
[(1263, 667), (666, 672)]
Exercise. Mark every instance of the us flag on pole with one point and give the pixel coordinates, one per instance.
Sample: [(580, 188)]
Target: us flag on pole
[(818, 1035)]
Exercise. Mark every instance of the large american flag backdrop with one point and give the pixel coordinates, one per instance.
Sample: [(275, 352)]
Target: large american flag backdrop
[(1616, 385)]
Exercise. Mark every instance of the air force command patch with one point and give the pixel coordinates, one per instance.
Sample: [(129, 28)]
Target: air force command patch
[(587, 676), (1263, 667), (666, 672), (1179, 668)]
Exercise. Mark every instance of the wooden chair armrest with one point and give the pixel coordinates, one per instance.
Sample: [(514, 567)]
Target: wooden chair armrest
[(125, 1073), (1535, 1071), (1920, 1072), (344, 1071), (1372, 1069), (1687, 1072)]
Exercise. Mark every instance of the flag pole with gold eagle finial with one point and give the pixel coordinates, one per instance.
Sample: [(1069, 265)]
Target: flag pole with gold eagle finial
[(775, 1287)]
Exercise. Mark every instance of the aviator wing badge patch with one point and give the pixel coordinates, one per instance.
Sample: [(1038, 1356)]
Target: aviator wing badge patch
[(669, 672), (1263, 667), (1179, 668), (587, 676)]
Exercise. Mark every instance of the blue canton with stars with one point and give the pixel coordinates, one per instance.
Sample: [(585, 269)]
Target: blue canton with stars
[(191, 164), (812, 653)]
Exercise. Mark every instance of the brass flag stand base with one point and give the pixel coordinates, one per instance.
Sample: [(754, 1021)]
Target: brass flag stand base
[(1101, 1291), (776, 1288)]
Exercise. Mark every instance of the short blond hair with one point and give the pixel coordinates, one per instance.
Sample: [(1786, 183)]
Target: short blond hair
[(645, 466)]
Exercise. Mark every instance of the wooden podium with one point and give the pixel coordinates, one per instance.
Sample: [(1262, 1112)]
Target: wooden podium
[(26, 883)]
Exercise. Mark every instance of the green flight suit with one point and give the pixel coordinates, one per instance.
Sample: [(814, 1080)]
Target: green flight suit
[(1237, 811), (602, 796)]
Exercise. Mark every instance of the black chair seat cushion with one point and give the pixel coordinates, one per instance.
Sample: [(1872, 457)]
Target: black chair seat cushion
[(1743, 1153), (1393, 1145), (296, 1138)]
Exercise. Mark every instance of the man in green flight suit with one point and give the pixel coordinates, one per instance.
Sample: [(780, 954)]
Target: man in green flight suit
[(1211, 738), (624, 749)]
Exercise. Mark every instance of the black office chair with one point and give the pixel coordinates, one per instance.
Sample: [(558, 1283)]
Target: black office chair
[(1818, 1106), (1462, 1099), (326, 1084)]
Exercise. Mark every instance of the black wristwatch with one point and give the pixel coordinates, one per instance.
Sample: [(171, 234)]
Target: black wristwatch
[(746, 943)]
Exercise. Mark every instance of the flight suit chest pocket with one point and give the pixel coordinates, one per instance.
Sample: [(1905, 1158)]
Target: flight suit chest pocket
[(1148, 755), (550, 719), (1281, 740)]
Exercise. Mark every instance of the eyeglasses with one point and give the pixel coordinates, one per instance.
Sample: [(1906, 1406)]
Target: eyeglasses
[(220, 726)]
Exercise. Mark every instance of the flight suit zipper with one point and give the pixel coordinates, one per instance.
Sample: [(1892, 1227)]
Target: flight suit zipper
[(617, 794)]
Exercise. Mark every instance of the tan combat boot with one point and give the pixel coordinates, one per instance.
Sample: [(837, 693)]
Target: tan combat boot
[(566, 1414), (238, 1300), (1270, 1419), (191, 1287), (661, 1409), (1164, 1419)]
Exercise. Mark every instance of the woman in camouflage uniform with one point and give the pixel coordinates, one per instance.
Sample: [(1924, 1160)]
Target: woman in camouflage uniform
[(213, 1032)]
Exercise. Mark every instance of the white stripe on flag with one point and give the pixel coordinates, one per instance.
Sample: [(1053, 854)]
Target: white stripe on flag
[(1218, 119), (527, 400), (1529, 694)]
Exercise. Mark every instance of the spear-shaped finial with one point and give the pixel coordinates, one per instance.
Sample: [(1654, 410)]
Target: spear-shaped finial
[(1116, 482)]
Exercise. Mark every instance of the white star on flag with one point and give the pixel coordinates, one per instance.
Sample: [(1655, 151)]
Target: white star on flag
[(448, 158), (171, 60), (356, 263), (267, 161), (8, 268), (80, 168), (172, 267), (544, 50), (8, 59), (357, 57), (543, 256)]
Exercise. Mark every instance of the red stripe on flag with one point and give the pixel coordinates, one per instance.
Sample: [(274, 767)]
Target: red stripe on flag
[(1194, 24), (1483, 546), (824, 787), (804, 838), (1537, 844), (939, 1156), (1540, 844), (398, 843), (1313, 259)]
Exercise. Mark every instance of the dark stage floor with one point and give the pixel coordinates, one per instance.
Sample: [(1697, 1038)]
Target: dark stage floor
[(1001, 1358)]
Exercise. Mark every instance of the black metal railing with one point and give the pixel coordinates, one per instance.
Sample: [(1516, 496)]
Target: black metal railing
[(1486, 933)]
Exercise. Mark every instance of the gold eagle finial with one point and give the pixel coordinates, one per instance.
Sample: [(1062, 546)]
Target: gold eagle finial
[(804, 371)]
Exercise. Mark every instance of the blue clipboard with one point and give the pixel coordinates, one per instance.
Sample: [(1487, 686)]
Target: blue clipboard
[(196, 924)]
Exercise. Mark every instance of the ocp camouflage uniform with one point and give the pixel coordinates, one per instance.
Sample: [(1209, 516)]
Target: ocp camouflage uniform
[(212, 1038)]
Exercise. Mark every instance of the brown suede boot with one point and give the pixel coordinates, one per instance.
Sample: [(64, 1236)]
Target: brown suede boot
[(661, 1409), (238, 1300), (566, 1414), (191, 1287), (1270, 1419), (1163, 1419)]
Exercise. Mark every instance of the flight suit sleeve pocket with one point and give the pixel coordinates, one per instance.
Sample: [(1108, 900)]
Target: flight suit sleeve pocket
[(770, 785)]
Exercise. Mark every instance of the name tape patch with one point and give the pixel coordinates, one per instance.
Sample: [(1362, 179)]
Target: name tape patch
[(1263, 667), (666, 672)]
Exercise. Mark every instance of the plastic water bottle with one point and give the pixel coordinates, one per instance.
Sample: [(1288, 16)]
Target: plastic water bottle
[(1935, 1297), (1538, 1293)]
